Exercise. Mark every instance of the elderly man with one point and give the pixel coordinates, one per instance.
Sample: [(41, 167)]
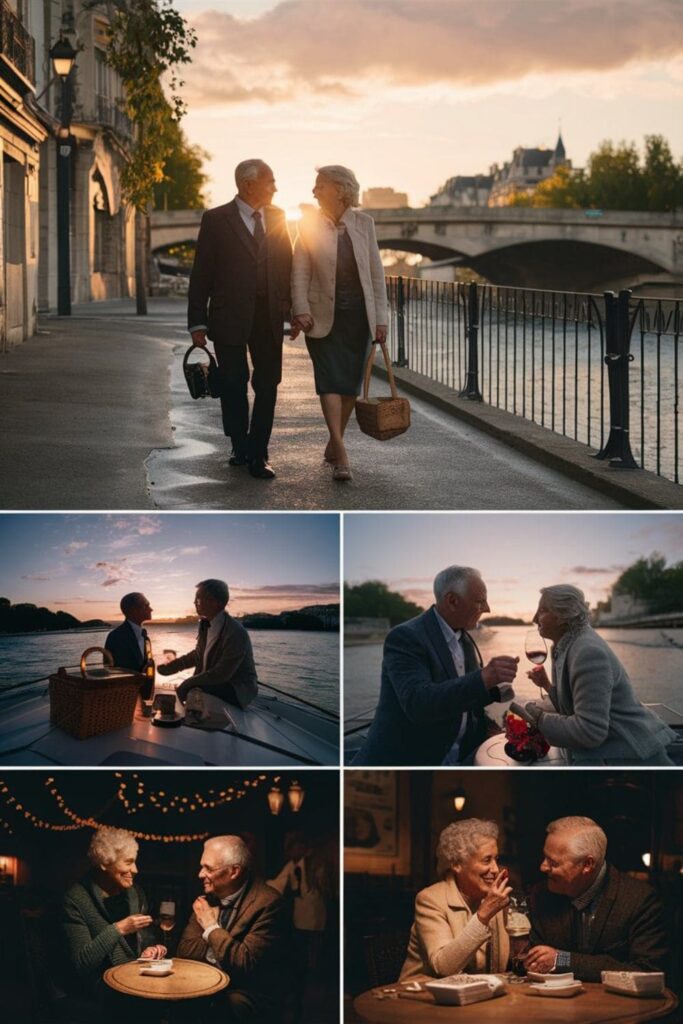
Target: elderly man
[(434, 688), (129, 644), (589, 917), (223, 660), (239, 924), (239, 299)]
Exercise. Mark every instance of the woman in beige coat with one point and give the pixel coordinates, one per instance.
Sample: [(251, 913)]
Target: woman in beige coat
[(339, 300), (459, 923)]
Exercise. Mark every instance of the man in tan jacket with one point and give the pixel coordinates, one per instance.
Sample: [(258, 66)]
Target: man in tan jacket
[(239, 925), (223, 659)]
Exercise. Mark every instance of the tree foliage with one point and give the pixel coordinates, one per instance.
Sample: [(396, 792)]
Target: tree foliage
[(183, 182), (650, 580), (149, 41), (374, 600), (616, 178)]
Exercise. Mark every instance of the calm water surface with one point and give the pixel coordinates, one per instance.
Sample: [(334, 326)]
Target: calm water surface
[(654, 665), (303, 664)]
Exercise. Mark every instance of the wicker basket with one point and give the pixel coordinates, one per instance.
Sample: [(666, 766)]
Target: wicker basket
[(382, 418), (85, 705)]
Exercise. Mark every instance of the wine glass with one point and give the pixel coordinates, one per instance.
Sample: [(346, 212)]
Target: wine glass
[(518, 927), (535, 648), (167, 915)]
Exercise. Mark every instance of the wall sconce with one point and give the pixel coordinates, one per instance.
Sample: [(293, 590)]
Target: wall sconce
[(295, 795), (459, 799), (647, 859), (275, 800)]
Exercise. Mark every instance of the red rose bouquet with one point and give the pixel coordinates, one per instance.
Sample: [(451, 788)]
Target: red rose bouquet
[(524, 741)]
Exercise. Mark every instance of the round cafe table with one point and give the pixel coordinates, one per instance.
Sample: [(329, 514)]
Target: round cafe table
[(492, 754), (190, 979), (592, 1006)]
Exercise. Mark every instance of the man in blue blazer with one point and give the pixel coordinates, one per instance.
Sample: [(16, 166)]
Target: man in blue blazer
[(434, 687), (126, 643)]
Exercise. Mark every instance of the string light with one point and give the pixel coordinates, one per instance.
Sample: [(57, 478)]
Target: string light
[(135, 796)]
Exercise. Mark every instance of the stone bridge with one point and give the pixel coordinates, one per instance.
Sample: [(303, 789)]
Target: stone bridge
[(572, 250)]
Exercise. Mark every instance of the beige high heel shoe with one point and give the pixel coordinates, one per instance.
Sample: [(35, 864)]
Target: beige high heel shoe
[(342, 472)]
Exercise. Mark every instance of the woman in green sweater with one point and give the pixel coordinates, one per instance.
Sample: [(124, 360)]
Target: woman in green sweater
[(105, 915)]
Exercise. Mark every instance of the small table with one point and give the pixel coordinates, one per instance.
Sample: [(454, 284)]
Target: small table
[(492, 753), (592, 1006), (190, 979)]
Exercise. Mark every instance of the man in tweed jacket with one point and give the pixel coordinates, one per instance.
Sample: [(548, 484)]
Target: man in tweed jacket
[(589, 917), (239, 925)]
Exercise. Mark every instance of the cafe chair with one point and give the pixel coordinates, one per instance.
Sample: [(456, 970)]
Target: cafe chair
[(385, 954), (49, 1003)]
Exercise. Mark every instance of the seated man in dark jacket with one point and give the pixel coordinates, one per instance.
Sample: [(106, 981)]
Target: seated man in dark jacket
[(589, 917), (240, 925), (126, 643), (222, 659)]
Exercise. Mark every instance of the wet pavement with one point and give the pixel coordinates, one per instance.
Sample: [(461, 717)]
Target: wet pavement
[(89, 421)]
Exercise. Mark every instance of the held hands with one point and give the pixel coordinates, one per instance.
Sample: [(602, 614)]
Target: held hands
[(132, 924), (205, 914), (380, 334), (496, 898), (541, 959), (300, 322), (502, 669), (198, 338), (165, 670), (154, 952), (539, 677)]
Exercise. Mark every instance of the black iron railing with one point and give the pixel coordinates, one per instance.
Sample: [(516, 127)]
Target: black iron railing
[(16, 44), (560, 359)]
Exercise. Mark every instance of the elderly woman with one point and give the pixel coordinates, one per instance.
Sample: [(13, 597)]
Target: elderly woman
[(591, 710), (105, 915), (459, 922), (339, 300)]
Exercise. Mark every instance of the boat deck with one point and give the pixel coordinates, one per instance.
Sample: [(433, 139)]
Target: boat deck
[(272, 731)]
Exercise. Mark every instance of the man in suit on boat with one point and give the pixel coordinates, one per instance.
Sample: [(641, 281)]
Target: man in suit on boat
[(127, 643), (222, 659), (239, 298), (240, 925), (434, 684)]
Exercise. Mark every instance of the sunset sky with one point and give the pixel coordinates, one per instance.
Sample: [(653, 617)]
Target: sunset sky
[(83, 564), (516, 553), (411, 92)]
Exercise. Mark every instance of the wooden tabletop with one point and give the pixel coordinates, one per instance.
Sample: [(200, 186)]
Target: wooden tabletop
[(592, 1006), (190, 979)]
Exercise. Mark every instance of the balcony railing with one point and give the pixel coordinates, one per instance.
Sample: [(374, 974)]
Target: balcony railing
[(107, 112), (16, 44)]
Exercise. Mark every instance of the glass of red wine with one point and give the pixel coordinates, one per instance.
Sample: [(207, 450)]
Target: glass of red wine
[(535, 648)]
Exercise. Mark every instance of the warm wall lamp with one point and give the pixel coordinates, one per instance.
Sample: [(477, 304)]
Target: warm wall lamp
[(295, 795), (275, 799), (459, 798)]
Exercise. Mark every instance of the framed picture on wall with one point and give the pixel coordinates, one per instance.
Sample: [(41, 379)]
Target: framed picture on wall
[(376, 822)]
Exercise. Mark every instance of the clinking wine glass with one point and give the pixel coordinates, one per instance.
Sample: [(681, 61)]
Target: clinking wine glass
[(518, 927), (535, 648)]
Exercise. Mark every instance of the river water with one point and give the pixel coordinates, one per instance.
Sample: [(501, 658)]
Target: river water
[(304, 664), (654, 665)]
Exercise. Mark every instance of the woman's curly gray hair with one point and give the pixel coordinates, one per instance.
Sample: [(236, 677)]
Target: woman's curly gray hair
[(461, 840), (344, 179), (568, 603), (108, 844)]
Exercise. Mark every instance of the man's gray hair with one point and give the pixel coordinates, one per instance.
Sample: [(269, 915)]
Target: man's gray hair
[(460, 841), (108, 844), (129, 602), (587, 839), (248, 170), (568, 603), (217, 589), (455, 579), (231, 850), (345, 179)]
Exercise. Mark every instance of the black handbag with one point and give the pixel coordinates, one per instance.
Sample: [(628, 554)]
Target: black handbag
[(202, 378)]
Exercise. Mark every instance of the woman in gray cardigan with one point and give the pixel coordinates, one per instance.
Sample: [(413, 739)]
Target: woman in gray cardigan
[(591, 709), (105, 915)]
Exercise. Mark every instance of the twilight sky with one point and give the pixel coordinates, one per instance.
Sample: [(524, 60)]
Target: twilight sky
[(83, 564), (411, 92), (516, 553)]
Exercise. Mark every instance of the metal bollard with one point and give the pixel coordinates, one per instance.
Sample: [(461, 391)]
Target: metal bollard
[(617, 359), (471, 389)]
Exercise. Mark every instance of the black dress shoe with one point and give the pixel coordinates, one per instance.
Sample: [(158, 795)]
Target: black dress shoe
[(261, 469), (237, 460)]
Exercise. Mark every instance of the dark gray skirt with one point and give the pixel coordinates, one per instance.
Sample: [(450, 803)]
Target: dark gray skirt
[(339, 358)]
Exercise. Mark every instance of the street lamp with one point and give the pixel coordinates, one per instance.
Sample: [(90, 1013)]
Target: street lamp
[(63, 58)]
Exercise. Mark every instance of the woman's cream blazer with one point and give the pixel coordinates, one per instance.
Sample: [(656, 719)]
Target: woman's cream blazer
[(315, 267)]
